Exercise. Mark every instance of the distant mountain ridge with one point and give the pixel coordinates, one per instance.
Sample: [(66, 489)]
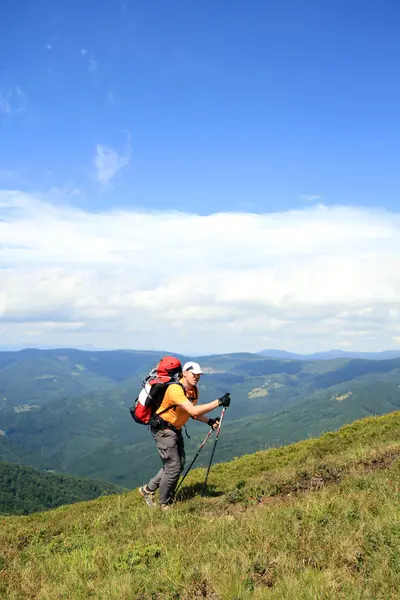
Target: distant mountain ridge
[(68, 410), (330, 355)]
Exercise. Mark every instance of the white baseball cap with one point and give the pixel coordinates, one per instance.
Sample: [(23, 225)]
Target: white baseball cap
[(194, 367)]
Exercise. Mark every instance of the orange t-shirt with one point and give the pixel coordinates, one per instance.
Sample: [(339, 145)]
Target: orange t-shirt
[(173, 397)]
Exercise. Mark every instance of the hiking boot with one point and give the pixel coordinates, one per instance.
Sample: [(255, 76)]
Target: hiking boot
[(147, 495)]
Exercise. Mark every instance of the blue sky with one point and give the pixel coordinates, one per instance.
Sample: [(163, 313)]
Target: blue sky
[(228, 104), (203, 176)]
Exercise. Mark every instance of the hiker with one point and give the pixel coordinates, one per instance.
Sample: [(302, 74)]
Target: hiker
[(179, 403)]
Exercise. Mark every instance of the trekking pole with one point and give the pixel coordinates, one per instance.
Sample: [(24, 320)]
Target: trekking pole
[(213, 450), (193, 461)]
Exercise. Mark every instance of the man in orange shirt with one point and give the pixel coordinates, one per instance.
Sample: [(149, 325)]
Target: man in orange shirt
[(179, 403)]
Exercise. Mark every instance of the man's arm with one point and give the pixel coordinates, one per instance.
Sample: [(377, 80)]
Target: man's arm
[(201, 418), (200, 409)]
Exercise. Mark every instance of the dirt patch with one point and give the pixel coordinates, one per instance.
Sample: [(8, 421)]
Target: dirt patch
[(327, 475), (245, 495), (383, 461)]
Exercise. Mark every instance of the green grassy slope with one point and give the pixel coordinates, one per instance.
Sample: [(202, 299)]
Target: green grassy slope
[(24, 490), (318, 519)]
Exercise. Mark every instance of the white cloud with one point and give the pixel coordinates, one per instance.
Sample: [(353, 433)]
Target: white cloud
[(11, 177), (303, 280), (108, 162), (310, 198), (12, 101), (93, 65)]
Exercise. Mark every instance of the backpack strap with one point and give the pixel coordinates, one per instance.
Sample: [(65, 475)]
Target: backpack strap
[(166, 409), (196, 397), (175, 405), (168, 425)]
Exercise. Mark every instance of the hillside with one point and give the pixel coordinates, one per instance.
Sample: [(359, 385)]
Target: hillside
[(324, 410), (33, 382), (24, 490), (318, 519), (68, 410)]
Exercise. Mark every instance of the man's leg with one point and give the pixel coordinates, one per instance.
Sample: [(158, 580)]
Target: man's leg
[(154, 482), (181, 451), (147, 490), (171, 450)]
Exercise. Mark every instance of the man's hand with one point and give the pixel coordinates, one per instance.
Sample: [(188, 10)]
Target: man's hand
[(224, 401), (214, 423)]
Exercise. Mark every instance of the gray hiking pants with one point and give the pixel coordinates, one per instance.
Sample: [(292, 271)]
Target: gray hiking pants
[(172, 453)]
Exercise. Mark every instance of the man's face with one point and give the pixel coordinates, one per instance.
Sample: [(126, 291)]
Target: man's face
[(191, 378)]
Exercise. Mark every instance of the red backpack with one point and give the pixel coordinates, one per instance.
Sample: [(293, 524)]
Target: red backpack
[(167, 371)]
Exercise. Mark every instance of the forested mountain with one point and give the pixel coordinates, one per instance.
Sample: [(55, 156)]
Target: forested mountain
[(68, 410), (24, 490)]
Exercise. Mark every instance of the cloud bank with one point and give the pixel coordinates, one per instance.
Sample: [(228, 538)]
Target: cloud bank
[(304, 280)]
